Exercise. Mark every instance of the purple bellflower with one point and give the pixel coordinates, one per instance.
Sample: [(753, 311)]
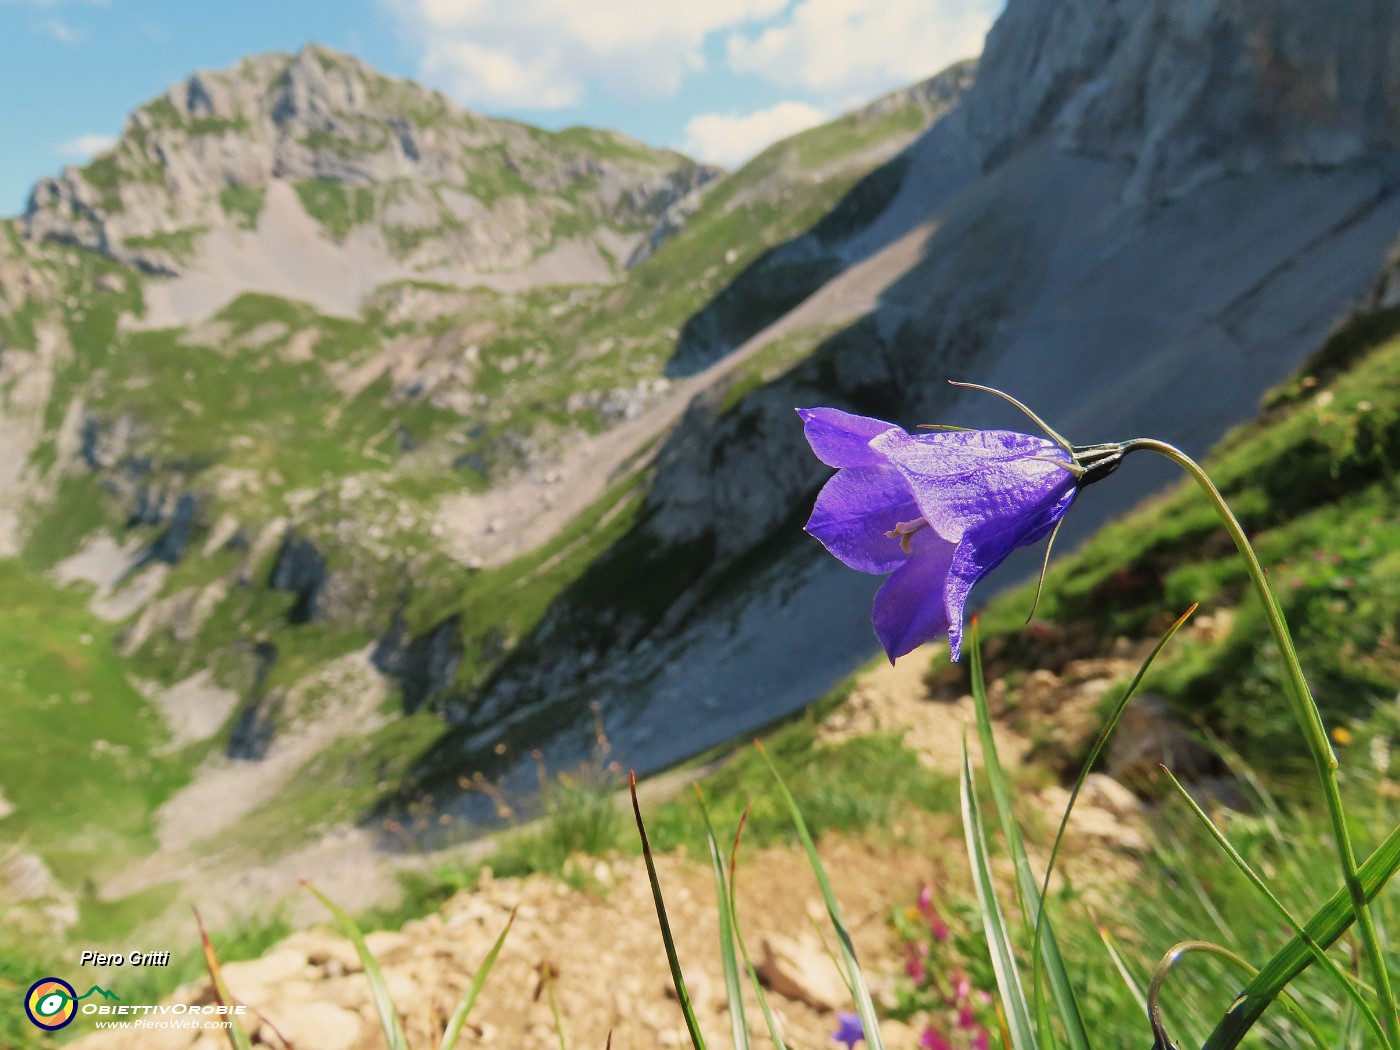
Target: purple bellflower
[(849, 1029), (937, 511)]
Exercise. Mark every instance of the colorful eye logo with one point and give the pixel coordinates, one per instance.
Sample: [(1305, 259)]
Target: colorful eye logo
[(51, 1004)]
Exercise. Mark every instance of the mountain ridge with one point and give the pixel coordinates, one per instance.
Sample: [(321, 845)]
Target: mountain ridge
[(391, 174)]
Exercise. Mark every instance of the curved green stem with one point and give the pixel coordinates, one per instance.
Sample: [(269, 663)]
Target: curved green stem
[(1161, 1041), (1305, 710)]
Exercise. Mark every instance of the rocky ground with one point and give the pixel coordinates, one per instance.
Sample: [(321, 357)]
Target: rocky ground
[(602, 942)]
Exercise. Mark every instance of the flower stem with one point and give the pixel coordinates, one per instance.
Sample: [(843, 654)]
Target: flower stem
[(1306, 711)]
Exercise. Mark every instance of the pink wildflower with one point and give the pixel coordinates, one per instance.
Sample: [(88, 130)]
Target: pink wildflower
[(962, 986), (915, 967)]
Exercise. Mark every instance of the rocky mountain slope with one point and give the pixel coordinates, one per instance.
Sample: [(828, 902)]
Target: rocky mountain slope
[(283, 484), (1128, 198), (314, 177)]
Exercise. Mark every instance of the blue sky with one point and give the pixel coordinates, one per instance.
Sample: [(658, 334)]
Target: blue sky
[(719, 79)]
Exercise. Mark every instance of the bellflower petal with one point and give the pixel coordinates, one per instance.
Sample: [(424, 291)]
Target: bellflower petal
[(841, 439), (852, 517), (904, 616), (936, 511), (984, 548), (963, 478)]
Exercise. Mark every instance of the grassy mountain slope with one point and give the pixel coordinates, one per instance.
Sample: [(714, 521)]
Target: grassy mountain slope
[(1314, 481)]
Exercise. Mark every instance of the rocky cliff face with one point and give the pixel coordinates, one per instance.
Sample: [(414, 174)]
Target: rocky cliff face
[(1082, 115), (1187, 92), (372, 159)]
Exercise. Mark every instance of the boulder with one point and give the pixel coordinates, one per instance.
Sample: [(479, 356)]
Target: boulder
[(801, 970), (314, 1024)]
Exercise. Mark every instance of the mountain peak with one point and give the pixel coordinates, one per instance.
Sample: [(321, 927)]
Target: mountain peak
[(313, 81), (387, 167)]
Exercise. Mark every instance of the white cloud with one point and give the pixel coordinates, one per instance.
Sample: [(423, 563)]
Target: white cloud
[(474, 73), (732, 138), (546, 53), (84, 147), (852, 49), (60, 31)]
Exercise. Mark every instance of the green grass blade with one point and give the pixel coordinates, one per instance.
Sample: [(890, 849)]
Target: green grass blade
[(1184, 868), (768, 1017), (840, 969), (453, 1031), (697, 1040), (1121, 965), (1174, 955), (1347, 985), (1309, 718), (865, 1007), (1013, 997), (1042, 933), (547, 975), (1105, 732), (1044, 943), (1327, 924), (732, 986), (1349, 1026), (383, 1002), (236, 1035)]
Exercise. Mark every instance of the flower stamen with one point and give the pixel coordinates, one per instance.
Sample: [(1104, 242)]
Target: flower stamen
[(904, 531)]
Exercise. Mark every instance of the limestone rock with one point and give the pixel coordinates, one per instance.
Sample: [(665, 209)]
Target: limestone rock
[(25, 877), (1106, 812), (1386, 293), (388, 946), (322, 1025), (254, 981), (799, 969), (335, 955)]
